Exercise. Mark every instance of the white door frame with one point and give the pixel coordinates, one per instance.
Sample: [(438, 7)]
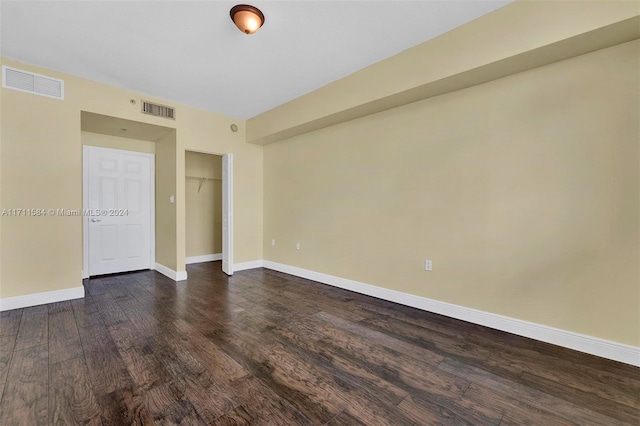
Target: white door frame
[(85, 203), (227, 211), (229, 204)]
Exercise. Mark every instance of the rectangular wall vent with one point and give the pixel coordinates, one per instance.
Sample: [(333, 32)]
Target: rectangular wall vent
[(158, 110), (30, 82)]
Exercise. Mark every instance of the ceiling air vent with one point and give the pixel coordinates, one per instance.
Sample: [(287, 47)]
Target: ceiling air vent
[(25, 81), (158, 110)]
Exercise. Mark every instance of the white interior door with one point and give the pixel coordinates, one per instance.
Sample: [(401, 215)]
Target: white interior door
[(119, 188), (227, 214)]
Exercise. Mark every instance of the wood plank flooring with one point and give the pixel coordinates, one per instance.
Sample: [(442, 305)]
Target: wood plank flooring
[(266, 348)]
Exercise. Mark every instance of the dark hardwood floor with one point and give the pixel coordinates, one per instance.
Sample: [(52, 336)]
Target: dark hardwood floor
[(267, 348)]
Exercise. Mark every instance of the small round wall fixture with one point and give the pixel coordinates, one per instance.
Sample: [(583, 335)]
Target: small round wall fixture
[(234, 127), (247, 18)]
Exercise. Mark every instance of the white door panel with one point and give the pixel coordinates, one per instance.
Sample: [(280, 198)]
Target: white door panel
[(119, 199), (227, 214)]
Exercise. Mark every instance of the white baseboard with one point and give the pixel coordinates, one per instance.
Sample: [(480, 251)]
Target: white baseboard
[(247, 265), (176, 276), (580, 342), (18, 302), (203, 258)]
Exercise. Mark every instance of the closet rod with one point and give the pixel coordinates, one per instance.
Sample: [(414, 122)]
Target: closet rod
[(201, 179)]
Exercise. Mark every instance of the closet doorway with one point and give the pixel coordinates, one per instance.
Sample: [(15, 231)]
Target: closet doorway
[(119, 186), (208, 208)]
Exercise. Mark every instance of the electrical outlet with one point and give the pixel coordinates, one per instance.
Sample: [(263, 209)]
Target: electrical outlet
[(297, 246), (273, 242), (427, 265)]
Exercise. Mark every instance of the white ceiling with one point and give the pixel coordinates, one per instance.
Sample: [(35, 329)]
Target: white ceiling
[(190, 51)]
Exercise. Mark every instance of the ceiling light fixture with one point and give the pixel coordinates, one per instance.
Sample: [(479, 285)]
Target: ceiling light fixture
[(247, 18)]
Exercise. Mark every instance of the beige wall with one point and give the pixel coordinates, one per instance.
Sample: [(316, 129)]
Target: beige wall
[(41, 167), (519, 36), (166, 212), (203, 203), (524, 192), (115, 142)]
